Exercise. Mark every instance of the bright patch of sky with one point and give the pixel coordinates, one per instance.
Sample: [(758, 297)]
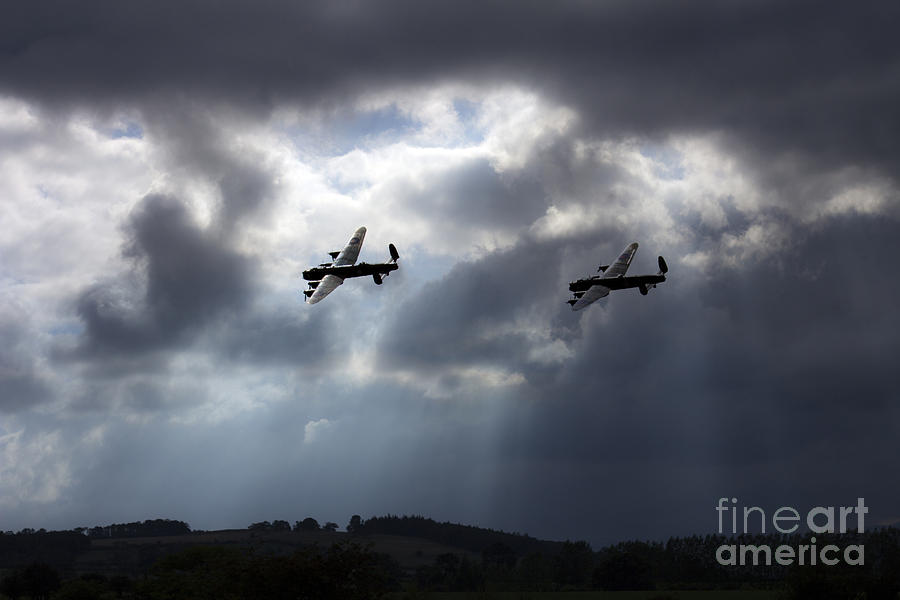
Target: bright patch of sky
[(667, 160), (129, 129), (433, 118)]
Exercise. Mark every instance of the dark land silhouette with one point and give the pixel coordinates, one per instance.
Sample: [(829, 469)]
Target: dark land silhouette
[(407, 556)]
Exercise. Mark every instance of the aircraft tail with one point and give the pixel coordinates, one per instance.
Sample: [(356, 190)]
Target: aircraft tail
[(395, 256), (663, 269)]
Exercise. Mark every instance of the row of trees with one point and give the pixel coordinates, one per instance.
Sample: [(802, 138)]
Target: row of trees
[(473, 539), (500, 569), (490, 559), (38, 581), (52, 547), (307, 524), (148, 528), (344, 571), (679, 563)]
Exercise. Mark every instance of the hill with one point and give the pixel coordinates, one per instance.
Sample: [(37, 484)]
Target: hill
[(132, 548)]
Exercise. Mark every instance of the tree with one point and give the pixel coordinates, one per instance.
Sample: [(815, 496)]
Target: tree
[(279, 525), (330, 526), (575, 564), (623, 571), (13, 585), (40, 580), (499, 556), (536, 571), (308, 524), (120, 584), (344, 571), (80, 589), (355, 524)]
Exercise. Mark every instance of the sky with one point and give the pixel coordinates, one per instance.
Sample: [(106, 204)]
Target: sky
[(168, 170)]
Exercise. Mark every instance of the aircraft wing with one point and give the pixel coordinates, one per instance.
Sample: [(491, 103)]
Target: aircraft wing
[(592, 295), (622, 263), (325, 287), (350, 252)]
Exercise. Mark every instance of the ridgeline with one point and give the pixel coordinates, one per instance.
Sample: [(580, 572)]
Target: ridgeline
[(391, 553)]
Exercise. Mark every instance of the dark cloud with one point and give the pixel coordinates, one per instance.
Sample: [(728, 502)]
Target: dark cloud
[(475, 194), (193, 141), (21, 385), (186, 276), (743, 380), (804, 83), (464, 318), (279, 336)]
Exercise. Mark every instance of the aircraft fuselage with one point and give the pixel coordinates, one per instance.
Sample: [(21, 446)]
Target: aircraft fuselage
[(615, 283), (347, 271)]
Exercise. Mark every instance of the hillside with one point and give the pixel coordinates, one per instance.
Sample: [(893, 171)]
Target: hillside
[(120, 549), (131, 556)]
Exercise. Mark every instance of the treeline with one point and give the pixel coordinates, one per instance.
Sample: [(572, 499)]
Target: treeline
[(474, 539), (499, 568), (486, 559), (307, 524), (29, 546), (679, 563), (343, 572), (148, 528)]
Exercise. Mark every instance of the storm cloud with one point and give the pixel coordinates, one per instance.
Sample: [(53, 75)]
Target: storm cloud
[(187, 278), (166, 173), (804, 83)]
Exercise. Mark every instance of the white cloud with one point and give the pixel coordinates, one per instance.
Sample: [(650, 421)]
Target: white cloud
[(33, 468), (314, 430)]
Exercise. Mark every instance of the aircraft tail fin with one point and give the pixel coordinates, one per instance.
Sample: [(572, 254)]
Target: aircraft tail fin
[(663, 267), (395, 256)]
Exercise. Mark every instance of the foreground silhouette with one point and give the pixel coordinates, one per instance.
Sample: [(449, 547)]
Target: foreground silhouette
[(375, 556)]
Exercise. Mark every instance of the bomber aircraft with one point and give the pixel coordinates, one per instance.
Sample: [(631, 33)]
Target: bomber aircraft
[(324, 278), (586, 291)]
